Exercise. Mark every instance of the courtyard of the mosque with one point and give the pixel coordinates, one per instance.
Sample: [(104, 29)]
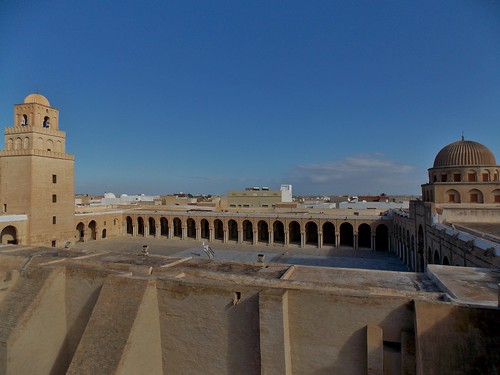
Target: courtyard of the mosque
[(309, 255)]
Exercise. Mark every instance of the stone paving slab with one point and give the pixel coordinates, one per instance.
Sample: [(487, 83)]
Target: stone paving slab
[(325, 257)]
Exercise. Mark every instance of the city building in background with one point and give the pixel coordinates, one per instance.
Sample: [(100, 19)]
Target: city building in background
[(68, 311)]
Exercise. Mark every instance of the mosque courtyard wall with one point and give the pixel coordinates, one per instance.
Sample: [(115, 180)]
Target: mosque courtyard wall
[(68, 311), (161, 315)]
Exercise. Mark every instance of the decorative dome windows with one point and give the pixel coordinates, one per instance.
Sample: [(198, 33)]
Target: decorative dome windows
[(475, 196), (453, 196)]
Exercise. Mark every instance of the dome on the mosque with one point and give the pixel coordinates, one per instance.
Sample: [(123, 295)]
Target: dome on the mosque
[(36, 98), (464, 153)]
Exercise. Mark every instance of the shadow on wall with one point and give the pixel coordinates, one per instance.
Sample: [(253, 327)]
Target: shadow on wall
[(457, 340), (243, 339), (352, 356)]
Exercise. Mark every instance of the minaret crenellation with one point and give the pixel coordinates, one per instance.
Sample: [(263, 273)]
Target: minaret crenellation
[(35, 130), (37, 175)]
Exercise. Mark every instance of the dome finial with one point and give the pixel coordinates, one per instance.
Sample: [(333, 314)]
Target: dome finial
[(463, 136)]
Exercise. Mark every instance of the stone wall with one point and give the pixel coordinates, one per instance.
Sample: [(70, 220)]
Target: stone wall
[(159, 315)]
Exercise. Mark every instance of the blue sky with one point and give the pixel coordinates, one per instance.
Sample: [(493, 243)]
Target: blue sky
[(334, 97)]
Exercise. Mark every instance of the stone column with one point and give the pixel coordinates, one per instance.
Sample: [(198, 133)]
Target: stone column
[(224, 237), (337, 240), (302, 239), (240, 235), (183, 233), (271, 238), (320, 239), (275, 347), (198, 233), (287, 238), (146, 230), (373, 241), (255, 237), (157, 231), (374, 350), (355, 241), (211, 235), (170, 232), (134, 230)]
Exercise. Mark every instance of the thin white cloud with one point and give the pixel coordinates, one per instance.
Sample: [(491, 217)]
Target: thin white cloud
[(356, 174)]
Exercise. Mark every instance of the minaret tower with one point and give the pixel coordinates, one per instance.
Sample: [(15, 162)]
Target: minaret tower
[(37, 175)]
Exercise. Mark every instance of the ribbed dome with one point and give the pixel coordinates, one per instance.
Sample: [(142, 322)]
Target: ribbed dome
[(36, 98), (464, 153)]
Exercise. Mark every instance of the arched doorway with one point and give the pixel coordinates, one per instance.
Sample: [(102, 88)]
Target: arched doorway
[(152, 227), (365, 236), (177, 227), (80, 232), (411, 262), (218, 230), (103, 233), (263, 231), (278, 232), (232, 227), (140, 226), (8, 235), (294, 233), (346, 235), (191, 228), (382, 238), (420, 249), (205, 229), (329, 234), (130, 227), (311, 233), (436, 257), (93, 230), (164, 227), (248, 231)]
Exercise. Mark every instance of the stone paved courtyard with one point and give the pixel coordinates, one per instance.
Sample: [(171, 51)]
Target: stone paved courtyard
[(310, 256)]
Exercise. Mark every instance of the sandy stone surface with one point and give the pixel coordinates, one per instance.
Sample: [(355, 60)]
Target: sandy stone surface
[(310, 255)]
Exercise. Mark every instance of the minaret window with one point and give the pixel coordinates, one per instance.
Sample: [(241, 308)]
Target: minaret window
[(25, 121), (54, 198), (46, 122)]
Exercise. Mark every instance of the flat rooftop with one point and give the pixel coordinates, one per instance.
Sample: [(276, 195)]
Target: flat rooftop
[(481, 229), (458, 284)]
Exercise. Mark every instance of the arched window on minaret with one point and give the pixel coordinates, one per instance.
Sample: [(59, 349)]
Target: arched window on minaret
[(46, 122), (25, 120)]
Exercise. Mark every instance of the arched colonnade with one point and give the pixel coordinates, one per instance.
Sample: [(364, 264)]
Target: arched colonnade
[(276, 230), (96, 229)]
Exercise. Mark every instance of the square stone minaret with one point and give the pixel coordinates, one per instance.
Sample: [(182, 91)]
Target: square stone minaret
[(37, 175)]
